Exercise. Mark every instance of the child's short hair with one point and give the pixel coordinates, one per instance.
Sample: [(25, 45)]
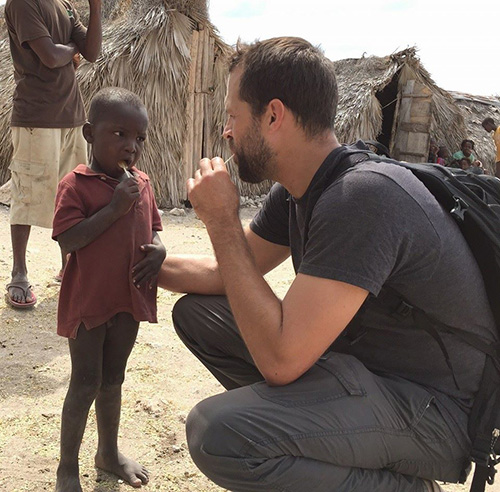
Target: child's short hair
[(467, 140), (106, 98)]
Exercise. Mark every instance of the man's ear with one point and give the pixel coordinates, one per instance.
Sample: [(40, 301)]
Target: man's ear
[(275, 114), (88, 132)]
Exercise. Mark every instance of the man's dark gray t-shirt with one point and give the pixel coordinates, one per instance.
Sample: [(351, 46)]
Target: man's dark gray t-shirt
[(379, 226)]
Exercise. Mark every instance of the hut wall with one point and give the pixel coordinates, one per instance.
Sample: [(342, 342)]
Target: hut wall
[(205, 115), (411, 139)]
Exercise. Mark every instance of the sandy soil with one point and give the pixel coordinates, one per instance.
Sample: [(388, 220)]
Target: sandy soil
[(164, 381)]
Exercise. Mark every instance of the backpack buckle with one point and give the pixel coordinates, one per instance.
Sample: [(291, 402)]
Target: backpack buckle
[(403, 309), (458, 211), (491, 473)]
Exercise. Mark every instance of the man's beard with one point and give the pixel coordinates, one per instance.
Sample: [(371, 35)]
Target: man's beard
[(254, 158)]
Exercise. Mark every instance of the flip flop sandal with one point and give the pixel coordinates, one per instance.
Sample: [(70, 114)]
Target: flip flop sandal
[(59, 276), (24, 286)]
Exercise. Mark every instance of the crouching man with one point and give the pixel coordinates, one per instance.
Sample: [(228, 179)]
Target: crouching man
[(327, 389)]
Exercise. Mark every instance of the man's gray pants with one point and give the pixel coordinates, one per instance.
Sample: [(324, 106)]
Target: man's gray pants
[(338, 428)]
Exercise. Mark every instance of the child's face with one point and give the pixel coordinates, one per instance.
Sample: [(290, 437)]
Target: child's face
[(465, 163), (118, 136), (467, 148)]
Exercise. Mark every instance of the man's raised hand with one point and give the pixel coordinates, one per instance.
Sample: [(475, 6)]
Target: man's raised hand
[(212, 194)]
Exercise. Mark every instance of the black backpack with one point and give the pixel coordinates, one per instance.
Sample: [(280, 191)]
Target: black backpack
[(474, 202)]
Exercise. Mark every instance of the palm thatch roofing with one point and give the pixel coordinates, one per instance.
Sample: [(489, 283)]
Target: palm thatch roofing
[(370, 89), (3, 27), (169, 53), (474, 110)]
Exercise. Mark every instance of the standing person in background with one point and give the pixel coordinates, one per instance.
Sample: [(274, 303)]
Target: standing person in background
[(46, 37), (490, 126)]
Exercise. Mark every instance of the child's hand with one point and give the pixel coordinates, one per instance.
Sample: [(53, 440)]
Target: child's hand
[(125, 195), (148, 267)]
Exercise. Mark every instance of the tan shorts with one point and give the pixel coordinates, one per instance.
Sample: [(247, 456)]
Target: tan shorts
[(41, 158)]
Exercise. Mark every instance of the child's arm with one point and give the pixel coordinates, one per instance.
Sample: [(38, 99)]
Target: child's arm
[(149, 267), (87, 230)]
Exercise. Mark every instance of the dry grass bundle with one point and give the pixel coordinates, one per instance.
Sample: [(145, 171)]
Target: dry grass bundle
[(359, 113)]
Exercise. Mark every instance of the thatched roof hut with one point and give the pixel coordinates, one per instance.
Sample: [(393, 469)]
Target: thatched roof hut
[(393, 99), (474, 110), (169, 53)]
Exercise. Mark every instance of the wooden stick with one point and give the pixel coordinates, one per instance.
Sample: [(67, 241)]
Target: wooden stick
[(123, 165)]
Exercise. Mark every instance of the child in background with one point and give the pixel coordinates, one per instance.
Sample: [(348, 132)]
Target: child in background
[(443, 156), (467, 151), (106, 217), (467, 165)]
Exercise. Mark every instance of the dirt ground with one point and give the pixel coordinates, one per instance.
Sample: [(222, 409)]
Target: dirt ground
[(164, 381)]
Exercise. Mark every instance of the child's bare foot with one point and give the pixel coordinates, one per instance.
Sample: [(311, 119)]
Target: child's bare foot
[(68, 480), (126, 468)]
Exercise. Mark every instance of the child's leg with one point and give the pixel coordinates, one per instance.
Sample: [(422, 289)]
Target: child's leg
[(120, 338), (86, 369)]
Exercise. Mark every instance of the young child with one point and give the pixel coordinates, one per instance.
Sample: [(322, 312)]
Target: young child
[(465, 163), (107, 218)]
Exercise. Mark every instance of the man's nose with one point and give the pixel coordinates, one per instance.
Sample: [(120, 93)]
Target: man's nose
[(227, 132)]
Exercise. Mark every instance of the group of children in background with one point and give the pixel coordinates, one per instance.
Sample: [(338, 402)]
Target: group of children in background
[(463, 159)]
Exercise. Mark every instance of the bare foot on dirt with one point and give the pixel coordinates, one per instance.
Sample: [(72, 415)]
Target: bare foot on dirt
[(126, 468), (68, 480)]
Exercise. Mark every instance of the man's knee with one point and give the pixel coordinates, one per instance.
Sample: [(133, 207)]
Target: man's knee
[(215, 437), (191, 312), (183, 314), (206, 426), (180, 311)]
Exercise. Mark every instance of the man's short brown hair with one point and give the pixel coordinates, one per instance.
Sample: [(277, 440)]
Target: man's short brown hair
[(295, 72)]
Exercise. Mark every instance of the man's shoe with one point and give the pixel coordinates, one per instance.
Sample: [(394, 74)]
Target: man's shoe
[(432, 486)]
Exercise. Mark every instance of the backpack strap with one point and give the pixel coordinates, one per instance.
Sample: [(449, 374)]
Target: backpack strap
[(486, 445), (481, 476), (484, 456)]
